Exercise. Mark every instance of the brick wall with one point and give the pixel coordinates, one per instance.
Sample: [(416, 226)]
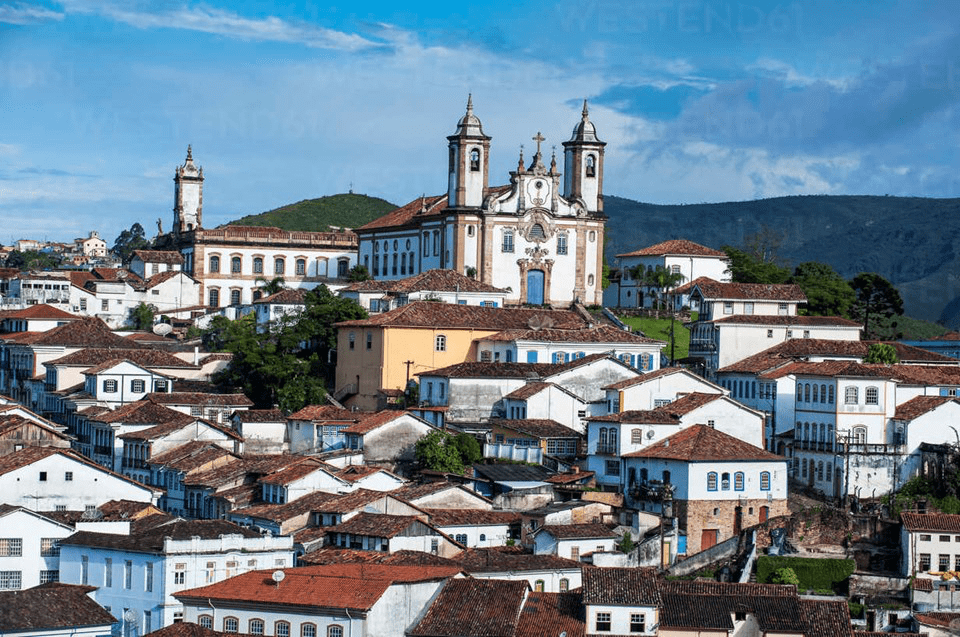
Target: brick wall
[(695, 516)]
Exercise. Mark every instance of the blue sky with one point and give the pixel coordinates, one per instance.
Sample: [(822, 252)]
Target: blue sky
[(698, 101)]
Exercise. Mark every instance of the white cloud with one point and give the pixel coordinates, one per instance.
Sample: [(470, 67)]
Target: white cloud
[(225, 23), (791, 77), (21, 13)]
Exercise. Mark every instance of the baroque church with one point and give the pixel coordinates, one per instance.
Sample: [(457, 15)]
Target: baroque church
[(541, 244)]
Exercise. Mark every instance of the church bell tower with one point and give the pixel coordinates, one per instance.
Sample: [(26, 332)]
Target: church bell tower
[(583, 164), (468, 172), (187, 196)]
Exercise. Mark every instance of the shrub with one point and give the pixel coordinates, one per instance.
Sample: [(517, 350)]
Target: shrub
[(812, 573)]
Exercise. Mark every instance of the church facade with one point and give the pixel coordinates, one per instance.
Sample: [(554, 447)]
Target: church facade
[(233, 262), (540, 236)]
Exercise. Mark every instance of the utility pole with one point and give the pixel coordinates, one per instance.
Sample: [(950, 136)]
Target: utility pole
[(408, 364)]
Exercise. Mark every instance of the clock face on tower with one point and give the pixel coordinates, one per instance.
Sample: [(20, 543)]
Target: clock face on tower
[(538, 191)]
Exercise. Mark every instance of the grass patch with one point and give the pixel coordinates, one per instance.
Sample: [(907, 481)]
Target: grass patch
[(660, 330), (814, 574)]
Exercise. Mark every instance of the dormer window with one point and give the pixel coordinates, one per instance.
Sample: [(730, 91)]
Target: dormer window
[(474, 160)]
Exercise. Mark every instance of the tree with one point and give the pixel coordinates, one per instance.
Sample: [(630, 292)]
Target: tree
[(358, 273), (128, 241), (660, 279), (876, 304), (626, 543), (32, 260), (272, 286), (142, 316), (468, 447), (785, 575), (289, 362), (828, 293), (438, 452), (882, 353), (748, 268)]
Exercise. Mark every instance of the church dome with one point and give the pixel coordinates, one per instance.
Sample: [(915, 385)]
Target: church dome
[(585, 131)]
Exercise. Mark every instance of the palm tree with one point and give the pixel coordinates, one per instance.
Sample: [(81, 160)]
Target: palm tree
[(272, 286), (663, 280)]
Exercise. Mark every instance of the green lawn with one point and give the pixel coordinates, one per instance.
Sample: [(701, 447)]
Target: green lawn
[(660, 330)]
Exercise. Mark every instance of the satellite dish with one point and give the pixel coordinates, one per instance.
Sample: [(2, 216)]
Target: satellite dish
[(130, 615), (162, 329), (650, 434), (278, 576)]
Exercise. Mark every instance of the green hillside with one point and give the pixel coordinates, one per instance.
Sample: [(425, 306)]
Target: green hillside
[(341, 211)]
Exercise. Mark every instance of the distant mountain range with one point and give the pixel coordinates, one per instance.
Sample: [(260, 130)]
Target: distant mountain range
[(908, 240)]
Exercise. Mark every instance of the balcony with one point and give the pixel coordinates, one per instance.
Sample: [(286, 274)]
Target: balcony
[(607, 449), (863, 448), (100, 450), (133, 463)]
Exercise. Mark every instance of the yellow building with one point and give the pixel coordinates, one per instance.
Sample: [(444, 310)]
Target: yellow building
[(385, 351)]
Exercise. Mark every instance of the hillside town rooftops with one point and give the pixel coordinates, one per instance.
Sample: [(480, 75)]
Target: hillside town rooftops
[(578, 531), (500, 559), (796, 320), (170, 257), (53, 606), (945, 522), (436, 280), (537, 427), (700, 443), (621, 586), (599, 334), (716, 290), (474, 607), (920, 405), (427, 314)]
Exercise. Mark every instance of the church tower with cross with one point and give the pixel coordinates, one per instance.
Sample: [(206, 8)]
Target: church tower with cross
[(539, 236)]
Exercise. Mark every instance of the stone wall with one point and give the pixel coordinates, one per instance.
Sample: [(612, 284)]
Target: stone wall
[(696, 516)]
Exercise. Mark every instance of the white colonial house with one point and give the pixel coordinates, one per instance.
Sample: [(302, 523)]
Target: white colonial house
[(615, 435), (146, 263), (526, 237), (140, 565), (29, 547), (544, 572), (573, 541), (475, 528), (720, 484), (930, 545), (52, 479), (679, 256), (621, 601), (656, 389), (319, 601)]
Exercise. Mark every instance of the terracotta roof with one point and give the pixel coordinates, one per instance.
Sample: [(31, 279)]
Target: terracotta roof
[(528, 390), (287, 296), (189, 456), (922, 584), (249, 467), (599, 334), (86, 332), (676, 247), (568, 478), (786, 321), (920, 405), (348, 502), (638, 380), (493, 370), (827, 618), (537, 427), (186, 629), (473, 517), (258, 416), (336, 586), (669, 413), (377, 524), (163, 429), (367, 422), (449, 316), (200, 398), (280, 512), (160, 277), (97, 358), (41, 311), (716, 290), (420, 208), (480, 607), (411, 492), (937, 618), (159, 256), (429, 281), (144, 412), (549, 613), (147, 535), (326, 413), (297, 470), (713, 607), (337, 555), (841, 368), (573, 531), (502, 559), (946, 522), (53, 606), (357, 472), (621, 586), (700, 443)]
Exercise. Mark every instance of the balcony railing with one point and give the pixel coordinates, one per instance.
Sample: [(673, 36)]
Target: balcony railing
[(606, 448), (862, 448)]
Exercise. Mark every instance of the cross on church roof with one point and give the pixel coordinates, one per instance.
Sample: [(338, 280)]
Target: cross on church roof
[(539, 138)]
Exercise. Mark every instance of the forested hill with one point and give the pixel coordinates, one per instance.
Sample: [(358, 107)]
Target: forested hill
[(340, 211), (908, 240)]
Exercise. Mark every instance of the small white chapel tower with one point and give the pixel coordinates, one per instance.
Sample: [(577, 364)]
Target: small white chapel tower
[(188, 196), (468, 171)]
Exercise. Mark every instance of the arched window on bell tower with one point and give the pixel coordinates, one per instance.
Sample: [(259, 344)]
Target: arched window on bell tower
[(591, 169), (475, 160)]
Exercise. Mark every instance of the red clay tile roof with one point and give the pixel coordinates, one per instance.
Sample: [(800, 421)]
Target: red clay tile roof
[(827, 618), (945, 522), (144, 412), (367, 422), (448, 316), (327, 413), (147, 535), (189, 456), (378, 524), (922, 584), (715, 290), (642, 378), (516, 370), (199, 398), (337, 555), (287, 510), (937, 618), (788, 321), (331, 586), (186, 629), (160, 277), (477, 517), (86, 332), (537, 427), (297, 470), (475, 607), (621, 586), (920, 405), (159, 256), (258, 416), (357, 472), (53, 606), (288, 296), (700, 443), (429, 281), (711, 606), (195, 424), (669, 413), (41, 311), (599, 334), (549, 613), (528, 390), (412, 492), (573, 531), (97, 357), (420, 208), (502, 559), (675, 247)]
